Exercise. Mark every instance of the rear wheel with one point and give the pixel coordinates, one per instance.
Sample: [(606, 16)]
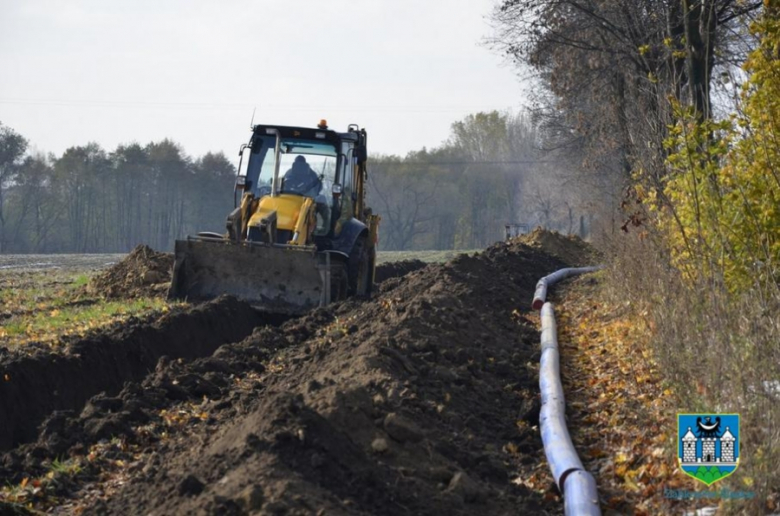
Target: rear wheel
[(359, 269)]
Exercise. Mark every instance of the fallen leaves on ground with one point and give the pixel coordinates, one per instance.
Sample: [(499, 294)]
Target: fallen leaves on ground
[(622, 417)]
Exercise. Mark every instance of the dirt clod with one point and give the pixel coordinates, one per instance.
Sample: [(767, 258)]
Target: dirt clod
[(462, 485), (252, 498), (401, 429), (191, 486), (379, 445), (142, 273)]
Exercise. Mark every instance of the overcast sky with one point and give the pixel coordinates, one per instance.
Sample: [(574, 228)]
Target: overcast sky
[(116, 71)]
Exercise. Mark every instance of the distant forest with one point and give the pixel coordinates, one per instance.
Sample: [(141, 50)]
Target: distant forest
[(492, 170), (90, 200)]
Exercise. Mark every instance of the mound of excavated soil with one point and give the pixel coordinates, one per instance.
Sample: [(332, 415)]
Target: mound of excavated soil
[(36, 384), (387, 270), (423, 400), (142, 273), (569, 248)]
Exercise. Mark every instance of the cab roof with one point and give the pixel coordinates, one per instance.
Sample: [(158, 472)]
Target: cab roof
[(308, 133)]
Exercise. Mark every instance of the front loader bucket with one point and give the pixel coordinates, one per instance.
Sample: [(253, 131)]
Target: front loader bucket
[(276, 279)]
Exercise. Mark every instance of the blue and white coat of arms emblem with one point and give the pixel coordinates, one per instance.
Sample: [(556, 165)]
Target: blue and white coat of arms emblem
[(708, 445)]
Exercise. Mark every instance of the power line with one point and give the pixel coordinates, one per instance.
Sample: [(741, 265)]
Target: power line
[(240, 106), (512, 162)]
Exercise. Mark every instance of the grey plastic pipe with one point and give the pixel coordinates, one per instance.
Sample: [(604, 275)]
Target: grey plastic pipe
[(541, 286), (580, 496)]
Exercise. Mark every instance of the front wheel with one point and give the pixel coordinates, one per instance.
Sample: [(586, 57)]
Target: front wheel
[(359, 269)]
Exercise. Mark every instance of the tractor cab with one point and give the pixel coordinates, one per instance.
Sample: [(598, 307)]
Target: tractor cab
[(284, 168)]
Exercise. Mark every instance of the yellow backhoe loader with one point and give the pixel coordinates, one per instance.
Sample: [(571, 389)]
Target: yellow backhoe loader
[(301, 235)]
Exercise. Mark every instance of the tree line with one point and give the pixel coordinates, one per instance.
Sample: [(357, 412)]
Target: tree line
[(92, 200), (491, 171)]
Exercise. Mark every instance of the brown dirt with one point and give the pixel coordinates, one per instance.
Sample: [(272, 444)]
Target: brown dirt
[(422, 400), (388, 270), (569, 248), (36, 381), (142, 273)]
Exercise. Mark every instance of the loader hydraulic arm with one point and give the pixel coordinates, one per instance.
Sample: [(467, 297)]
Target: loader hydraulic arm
[(361, 174)]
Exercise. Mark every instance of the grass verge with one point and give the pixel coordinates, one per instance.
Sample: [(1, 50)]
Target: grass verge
[(718, 351), (45, 306)]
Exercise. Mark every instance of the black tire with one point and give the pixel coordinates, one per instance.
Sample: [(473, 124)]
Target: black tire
[(339, 285), (359, 269)]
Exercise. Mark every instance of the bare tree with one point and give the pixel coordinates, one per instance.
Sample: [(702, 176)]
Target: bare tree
[(404, 196), (607, 67), (12, 148)]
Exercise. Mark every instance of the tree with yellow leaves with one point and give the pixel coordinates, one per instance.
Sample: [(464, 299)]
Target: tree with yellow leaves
[(724, 177)]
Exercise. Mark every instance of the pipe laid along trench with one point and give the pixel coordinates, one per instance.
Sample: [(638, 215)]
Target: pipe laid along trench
[(580, 496), (541, 286)]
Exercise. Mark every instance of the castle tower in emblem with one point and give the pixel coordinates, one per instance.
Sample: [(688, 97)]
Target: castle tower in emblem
[(708, 449), (689, 446), (727, 446)]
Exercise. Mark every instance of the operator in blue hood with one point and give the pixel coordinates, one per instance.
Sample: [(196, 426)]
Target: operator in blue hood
[(301, 179)]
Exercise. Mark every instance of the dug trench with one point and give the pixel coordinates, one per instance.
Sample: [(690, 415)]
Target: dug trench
[(35, 383), (422, 400)]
